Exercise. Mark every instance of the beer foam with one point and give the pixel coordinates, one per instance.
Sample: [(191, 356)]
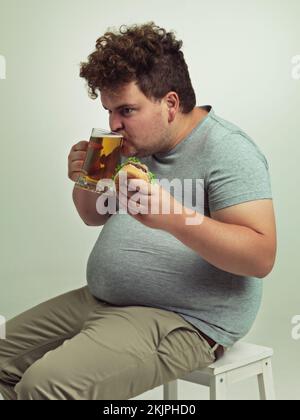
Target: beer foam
[(99, 132)]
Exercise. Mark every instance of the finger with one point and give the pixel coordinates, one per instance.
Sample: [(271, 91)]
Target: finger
[(122, 202), (74, 176), (80, 146), (133, 208), (77, 156), (134, 205), (124, 197), (139, 185), (76, 166), (136, 200), (142, 203), (135, 196)]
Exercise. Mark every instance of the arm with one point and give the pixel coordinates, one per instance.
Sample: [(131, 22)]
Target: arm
[(85, 203), (240, 239)]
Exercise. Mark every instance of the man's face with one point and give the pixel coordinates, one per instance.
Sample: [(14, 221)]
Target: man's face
[(142, 122)]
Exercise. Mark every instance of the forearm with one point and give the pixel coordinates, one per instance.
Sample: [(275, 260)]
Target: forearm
[(232, 248), (85, 203)]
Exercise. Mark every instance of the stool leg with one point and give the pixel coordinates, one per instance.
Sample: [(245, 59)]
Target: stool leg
[(171, 390), (265, 381), (218, 388)]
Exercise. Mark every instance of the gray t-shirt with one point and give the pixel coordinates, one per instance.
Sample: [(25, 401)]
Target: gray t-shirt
[(132, 264)]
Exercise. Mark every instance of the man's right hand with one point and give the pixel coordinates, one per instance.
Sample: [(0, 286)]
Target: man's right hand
[(84, 200), (76, 159)]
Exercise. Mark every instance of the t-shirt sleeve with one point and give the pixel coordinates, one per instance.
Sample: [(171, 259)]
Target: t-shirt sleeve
[(238, 172)]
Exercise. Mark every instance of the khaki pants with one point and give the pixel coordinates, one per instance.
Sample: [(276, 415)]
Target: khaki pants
[(77, 347)]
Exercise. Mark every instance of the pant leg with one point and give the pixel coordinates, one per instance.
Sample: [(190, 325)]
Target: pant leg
[(120, 353), (35, 332)]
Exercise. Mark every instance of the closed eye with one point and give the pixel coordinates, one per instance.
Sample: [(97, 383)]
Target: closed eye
[(127, 111)]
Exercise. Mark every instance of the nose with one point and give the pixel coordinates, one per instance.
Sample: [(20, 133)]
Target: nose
[(115, 122)]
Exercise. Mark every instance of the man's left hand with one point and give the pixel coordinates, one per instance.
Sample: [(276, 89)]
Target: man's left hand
[(148, 203)]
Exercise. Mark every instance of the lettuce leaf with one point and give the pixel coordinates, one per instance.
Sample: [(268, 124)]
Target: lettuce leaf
[(152, 176)]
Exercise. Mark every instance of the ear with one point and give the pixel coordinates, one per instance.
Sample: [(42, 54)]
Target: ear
[(172, 102)]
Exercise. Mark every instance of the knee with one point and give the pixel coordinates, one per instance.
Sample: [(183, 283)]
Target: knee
[(34, 384)]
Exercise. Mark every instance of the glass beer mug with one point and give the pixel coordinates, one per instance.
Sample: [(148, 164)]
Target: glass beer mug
[(102, 158)]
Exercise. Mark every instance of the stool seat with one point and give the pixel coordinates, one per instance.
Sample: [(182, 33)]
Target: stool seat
[(240, 362), (240, 354)]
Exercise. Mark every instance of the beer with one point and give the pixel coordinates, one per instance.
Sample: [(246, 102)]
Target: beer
[(103, 156)]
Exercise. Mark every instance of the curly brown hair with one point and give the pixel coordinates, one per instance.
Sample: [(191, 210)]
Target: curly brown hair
[(145, 54)]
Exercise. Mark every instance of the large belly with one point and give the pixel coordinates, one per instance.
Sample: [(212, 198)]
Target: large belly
[(131, 264)]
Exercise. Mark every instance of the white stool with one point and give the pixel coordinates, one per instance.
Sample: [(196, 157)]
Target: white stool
[(241, 361)]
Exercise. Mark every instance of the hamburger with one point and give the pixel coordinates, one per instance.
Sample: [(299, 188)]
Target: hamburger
[(135, 170)]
